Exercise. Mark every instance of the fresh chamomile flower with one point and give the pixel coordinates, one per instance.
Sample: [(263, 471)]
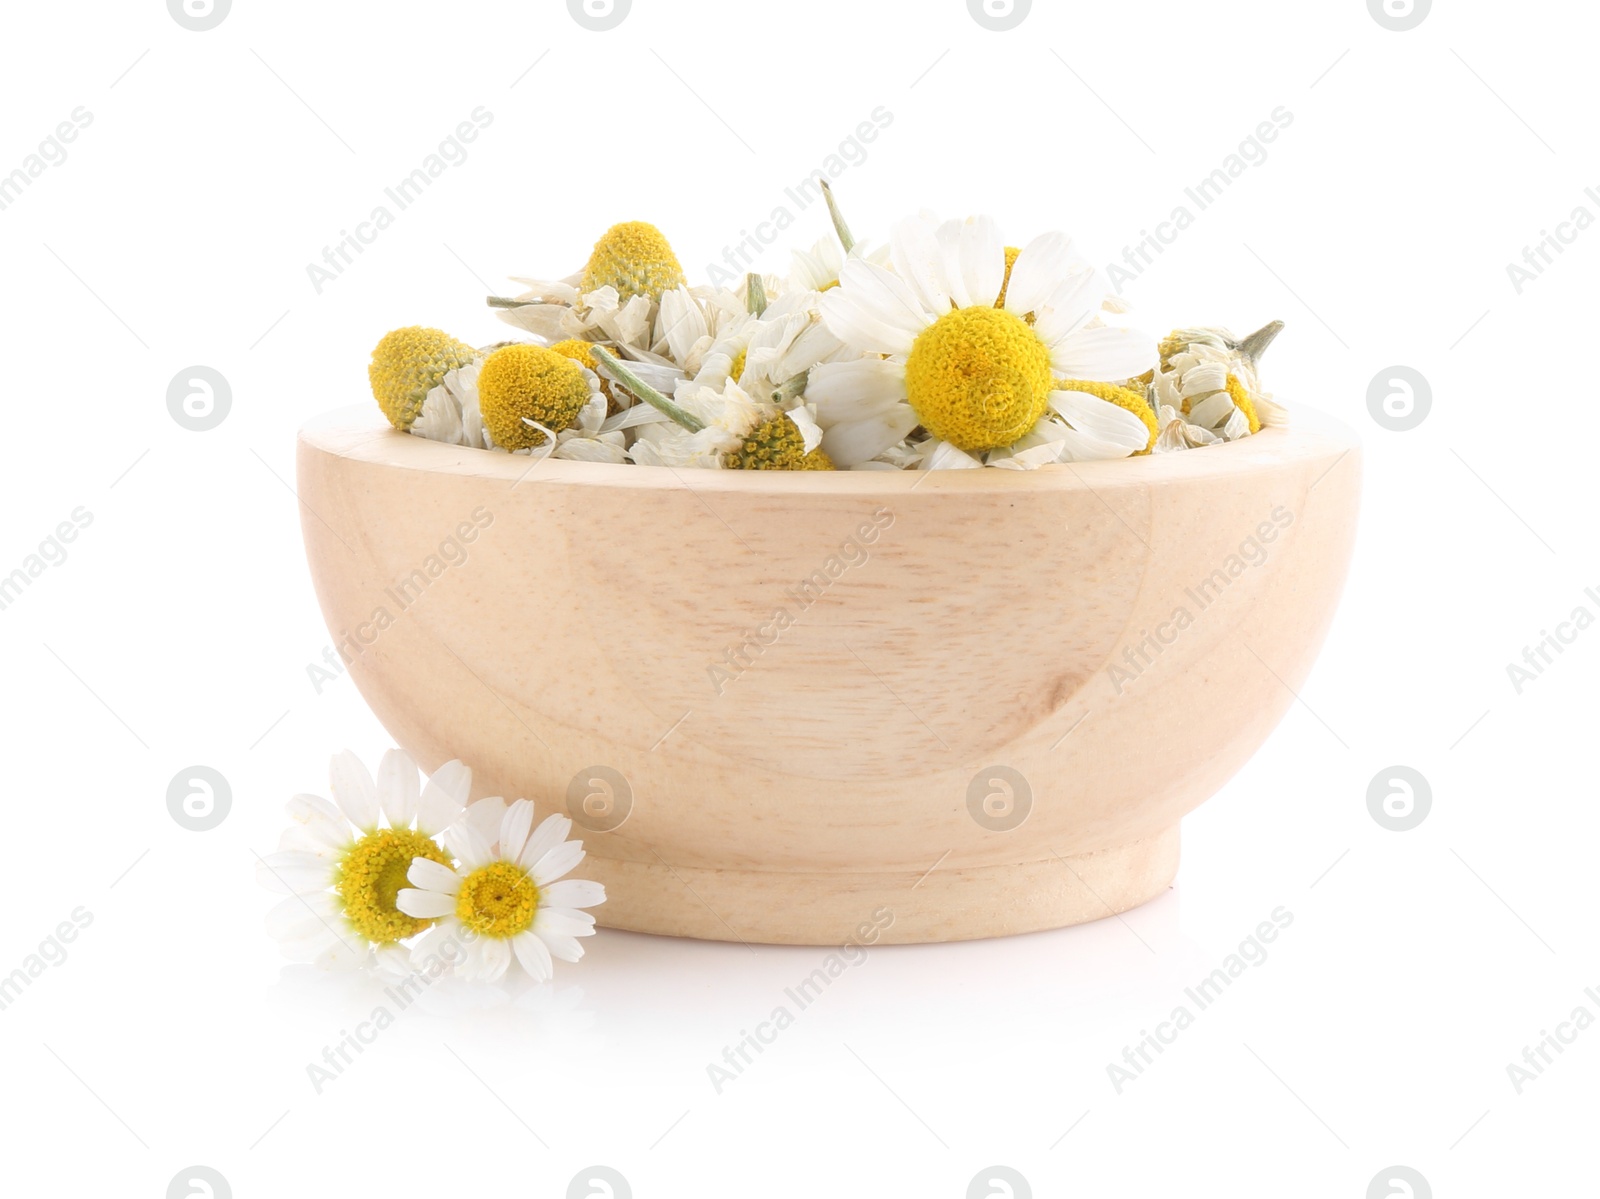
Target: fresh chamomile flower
[(504, 901), (978, 370), (1211, 380), (343, 862), (526, 392), (409, 363)]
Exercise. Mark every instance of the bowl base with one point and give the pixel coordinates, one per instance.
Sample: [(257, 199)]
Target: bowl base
[(891, 908)]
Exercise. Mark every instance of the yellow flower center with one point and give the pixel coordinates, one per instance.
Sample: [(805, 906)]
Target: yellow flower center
[(529, 381), (370, 875), (1244, 402), (636, 259), (409, 363), (776, 444), (498, 900), (979, 378), (737, 369)]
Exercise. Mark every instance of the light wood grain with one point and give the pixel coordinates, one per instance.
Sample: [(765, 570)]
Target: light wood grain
[(830, 776)]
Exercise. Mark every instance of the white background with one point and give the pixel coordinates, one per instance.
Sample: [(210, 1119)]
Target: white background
[(178, 630)]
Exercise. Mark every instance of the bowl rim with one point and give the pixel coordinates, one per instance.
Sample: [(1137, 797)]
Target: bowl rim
[(360, 433)]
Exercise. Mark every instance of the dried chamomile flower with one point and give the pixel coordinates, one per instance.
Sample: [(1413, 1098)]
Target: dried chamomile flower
[(409, 363), (721, 428), (1211, 379), (524, 385), (635, 259)]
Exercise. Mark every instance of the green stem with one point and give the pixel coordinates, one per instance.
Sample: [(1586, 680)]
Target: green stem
[(790, 388), (839, 226), (1252, 347), (645, 392), (506, 302), (755, 294)]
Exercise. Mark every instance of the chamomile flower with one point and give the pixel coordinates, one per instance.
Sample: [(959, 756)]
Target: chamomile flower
[(733, 431), (816, 269), (691, 322), (978, 368), (450, 413), (770, 351), (721, 428), (527, 393), (505, 901), (343, 862), (409, 363), (1210, 380), (613, 298)]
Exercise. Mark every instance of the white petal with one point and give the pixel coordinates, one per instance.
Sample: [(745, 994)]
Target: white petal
[(873, 310), (552, 831), (514, 827), (573, 893), (440, 418), (354, 790), (563, 922), (304, 808), (441, 941), (1101, 419), (1031, 458), (424, 905), (1104, 355), (946, 457), (464, 841), (556, 863), (1236, 426), (1072, 306), (534, 956), (485, 817), (975, 260), (488, 959), (296, 872), (810, 431), (429, 875), (1086, 447), (443, 797), (1204, 378), (919, 260), (398, 788), (1041, 267), (319, 836), (1213, 411), (567, 948), (846, 391), (857, 441), (682, 324)]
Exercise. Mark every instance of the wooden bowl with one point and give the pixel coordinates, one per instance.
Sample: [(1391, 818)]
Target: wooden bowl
[(817, 708)]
